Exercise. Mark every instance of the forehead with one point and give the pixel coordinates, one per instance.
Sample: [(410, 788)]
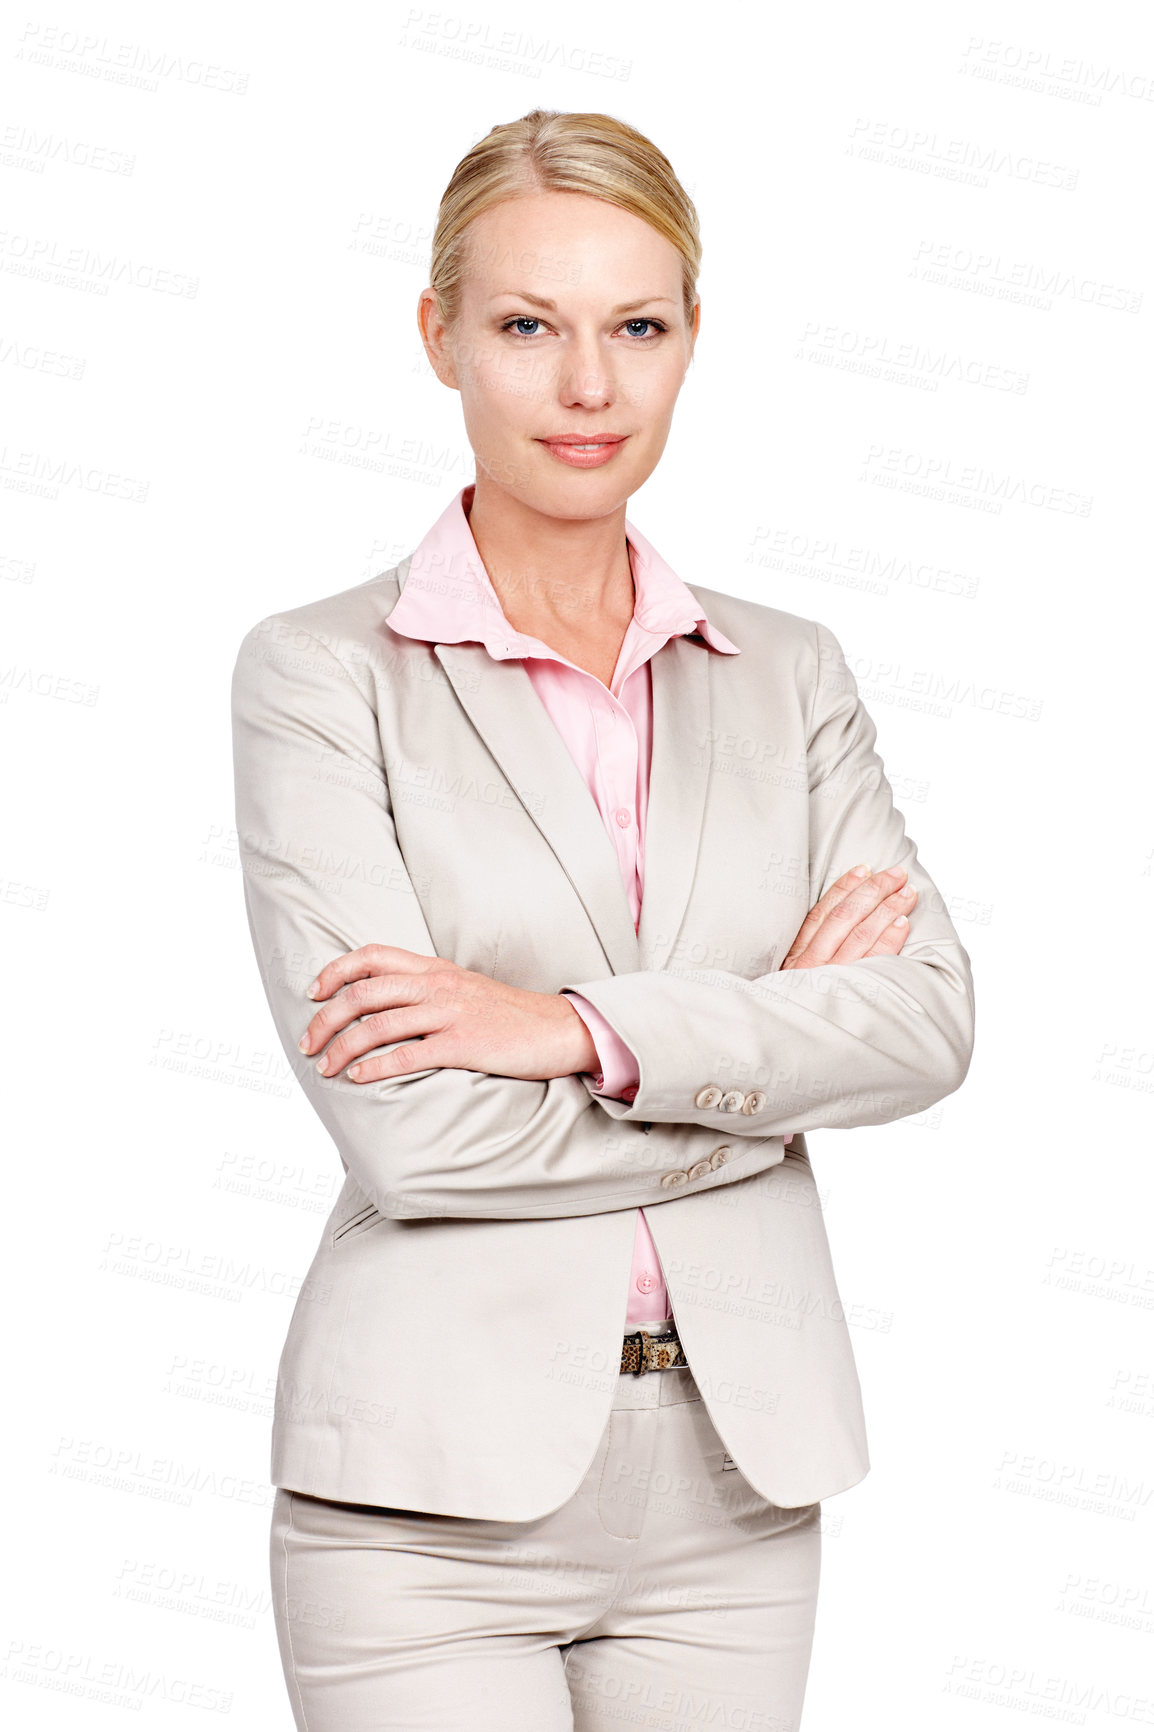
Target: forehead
[(549, 241)]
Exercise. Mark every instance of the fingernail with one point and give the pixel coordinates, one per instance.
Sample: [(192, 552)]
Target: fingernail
[(303, 1043), (860, 872), (323, 1063), (901, 920), (314, 988), (354, 1071)]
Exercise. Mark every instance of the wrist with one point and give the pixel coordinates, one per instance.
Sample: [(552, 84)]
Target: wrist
[(582, 1045)]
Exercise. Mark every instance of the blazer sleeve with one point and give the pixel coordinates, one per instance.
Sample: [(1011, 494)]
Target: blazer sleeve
[(858, 1043), (323, 874)]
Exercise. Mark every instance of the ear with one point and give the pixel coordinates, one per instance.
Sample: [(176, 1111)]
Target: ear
[(434, 336)]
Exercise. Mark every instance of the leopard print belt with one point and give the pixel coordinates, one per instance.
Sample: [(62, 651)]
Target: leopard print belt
[(642, 1352)]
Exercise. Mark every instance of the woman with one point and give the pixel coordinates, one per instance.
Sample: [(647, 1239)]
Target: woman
[(573, 860)]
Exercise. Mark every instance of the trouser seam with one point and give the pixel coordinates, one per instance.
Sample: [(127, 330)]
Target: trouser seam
[(287, 1620)]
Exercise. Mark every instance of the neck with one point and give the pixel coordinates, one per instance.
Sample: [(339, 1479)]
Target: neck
[(553, 576)]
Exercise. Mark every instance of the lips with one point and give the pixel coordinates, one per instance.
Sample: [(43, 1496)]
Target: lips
[(585, 439), (584, 450)]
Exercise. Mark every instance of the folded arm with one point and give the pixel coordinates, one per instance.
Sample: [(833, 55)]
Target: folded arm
[(323, 875), (843, 1044)]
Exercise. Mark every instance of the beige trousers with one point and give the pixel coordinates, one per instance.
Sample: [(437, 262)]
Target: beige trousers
[(665, 1594)]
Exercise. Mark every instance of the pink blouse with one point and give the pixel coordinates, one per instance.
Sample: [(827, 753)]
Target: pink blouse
[(448, 597)]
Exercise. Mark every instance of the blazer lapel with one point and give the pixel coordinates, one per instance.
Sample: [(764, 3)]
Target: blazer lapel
[(678, 780), (499, 699)]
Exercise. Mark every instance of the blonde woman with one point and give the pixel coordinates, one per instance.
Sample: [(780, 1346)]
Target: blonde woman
[(578, 893)]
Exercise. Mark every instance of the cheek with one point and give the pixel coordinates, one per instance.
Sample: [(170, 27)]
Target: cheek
[(654, 395), (485, 409), (496, 428), (498, 395)]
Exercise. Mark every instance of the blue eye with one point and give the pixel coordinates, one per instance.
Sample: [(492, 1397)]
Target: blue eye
[(522, 319)]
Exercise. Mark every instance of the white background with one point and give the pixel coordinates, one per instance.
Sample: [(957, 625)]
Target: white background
[(213, 404)]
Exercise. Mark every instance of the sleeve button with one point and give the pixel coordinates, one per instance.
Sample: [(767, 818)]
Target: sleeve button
[(708, 1096), (699, 1169), (668, 1180), (719, 1156), (754, 1101), (731, 1102)]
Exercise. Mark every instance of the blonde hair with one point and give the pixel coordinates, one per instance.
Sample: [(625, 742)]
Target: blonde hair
[(546, 151)]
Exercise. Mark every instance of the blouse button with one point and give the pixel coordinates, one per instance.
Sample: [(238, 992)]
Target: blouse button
[(624, 816), (646, 1282)]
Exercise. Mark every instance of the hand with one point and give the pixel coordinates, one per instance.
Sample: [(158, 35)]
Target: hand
[(858, 916), (861, 915), (452, 1017)]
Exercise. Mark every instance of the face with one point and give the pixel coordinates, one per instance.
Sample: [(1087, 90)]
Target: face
[(571, 326)]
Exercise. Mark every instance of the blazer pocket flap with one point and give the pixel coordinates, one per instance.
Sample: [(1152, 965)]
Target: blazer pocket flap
[(365, 1217)]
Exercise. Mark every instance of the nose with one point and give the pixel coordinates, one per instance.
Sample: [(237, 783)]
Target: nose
[(587, 380)]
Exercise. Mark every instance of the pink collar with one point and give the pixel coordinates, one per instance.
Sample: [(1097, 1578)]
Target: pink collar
[(448, 596)]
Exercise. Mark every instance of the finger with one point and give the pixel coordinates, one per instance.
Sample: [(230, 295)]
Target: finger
[(853, 908), (409, 1022), (865, 934), (362, 998), (855, 879), (841, 888), (429, 1054), (369, 959), (891, 940)]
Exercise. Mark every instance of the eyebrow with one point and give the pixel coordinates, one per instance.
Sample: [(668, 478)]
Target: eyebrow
[(551, 306)]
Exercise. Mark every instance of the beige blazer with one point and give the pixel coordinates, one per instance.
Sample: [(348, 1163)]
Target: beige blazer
[(456, 1344)]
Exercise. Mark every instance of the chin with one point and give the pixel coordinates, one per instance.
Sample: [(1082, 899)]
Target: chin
[(578, 503), (586, 492)]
